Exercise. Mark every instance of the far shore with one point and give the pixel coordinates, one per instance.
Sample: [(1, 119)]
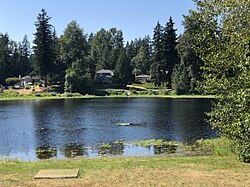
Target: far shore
[(62, 96)]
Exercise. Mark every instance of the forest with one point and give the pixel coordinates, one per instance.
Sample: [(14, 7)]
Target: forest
[(72, 59)]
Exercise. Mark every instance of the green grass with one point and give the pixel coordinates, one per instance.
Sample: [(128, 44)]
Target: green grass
[(215, 170), (146, 85), (218, 146), (61, 96), (153, 142), (127, 171)]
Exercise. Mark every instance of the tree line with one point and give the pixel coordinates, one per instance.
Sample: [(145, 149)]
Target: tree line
[(73, 58)]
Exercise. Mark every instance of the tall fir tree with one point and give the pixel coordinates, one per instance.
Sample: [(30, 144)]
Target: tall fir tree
[(5, 52), (185, 48), (101, 47), (170, 55), (44, 48), (14, 59), (123, 72), (157, 56), (24, 65)]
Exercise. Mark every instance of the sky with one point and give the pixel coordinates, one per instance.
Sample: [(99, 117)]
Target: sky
[(136, 18)]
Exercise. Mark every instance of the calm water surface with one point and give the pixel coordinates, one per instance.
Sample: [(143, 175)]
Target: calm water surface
[(37, 129)]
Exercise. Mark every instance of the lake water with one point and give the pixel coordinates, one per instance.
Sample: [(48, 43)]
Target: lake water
[(37, 129)]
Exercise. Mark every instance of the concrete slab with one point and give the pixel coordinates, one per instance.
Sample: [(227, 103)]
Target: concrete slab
[(57, 174)]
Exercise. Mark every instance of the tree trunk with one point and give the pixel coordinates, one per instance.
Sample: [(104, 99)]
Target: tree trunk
[(46, 81)]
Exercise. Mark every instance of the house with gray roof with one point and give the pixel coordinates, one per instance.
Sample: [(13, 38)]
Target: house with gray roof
[(104, 76)]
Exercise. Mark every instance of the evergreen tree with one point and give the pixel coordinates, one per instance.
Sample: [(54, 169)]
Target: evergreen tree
[(44, 48), (180, 80), (157, 56), (24, 65), (13, 60), (105, 48), (101, 49), (185, 48), (170, 56), (5, 52), (123, 72)]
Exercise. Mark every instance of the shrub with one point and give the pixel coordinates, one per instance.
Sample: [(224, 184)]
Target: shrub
[(11, 81)]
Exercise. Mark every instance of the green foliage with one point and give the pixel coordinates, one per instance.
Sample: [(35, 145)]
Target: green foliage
[(180, 79), (116, 91), (105, 48), (139, 54), (5, 54), (76, 77), (123, 72), (188, 56), (11, 81), (170, 56), (24, 62), (164, 56), (157, 56), (223, 41), (218, 146), (44, 46), (158, 142)]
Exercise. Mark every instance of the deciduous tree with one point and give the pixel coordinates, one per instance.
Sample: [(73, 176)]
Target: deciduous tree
[(223, 41)]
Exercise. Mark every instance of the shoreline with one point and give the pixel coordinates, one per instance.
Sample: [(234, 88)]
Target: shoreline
[(146, 171), (33, 97)]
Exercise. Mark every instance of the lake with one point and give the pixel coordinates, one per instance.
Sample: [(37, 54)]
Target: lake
[(41, 129)]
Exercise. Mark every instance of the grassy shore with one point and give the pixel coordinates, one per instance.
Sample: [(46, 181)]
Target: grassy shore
[(215, 170), (153, 171), (36, 92), (6, 97)]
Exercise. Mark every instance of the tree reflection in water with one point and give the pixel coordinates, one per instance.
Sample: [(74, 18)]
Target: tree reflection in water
[(46, 152), (165, 149), (74, 150), (111, 149)]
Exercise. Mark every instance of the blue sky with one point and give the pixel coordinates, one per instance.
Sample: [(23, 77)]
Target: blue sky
[(136, 18)]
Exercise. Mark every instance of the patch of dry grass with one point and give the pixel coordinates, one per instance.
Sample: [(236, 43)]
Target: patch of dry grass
[(155, 171)]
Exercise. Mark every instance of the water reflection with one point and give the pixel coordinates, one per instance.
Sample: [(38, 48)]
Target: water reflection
[(111, 149), (74, 150), (164, 149), (46, 152)]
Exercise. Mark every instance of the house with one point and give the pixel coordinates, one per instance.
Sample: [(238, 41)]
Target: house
[(142, 78), (104, 76), (28, 80)]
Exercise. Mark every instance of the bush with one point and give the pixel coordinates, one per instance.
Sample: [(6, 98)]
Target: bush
[(11, 81), (68, 94), (116, 92)]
